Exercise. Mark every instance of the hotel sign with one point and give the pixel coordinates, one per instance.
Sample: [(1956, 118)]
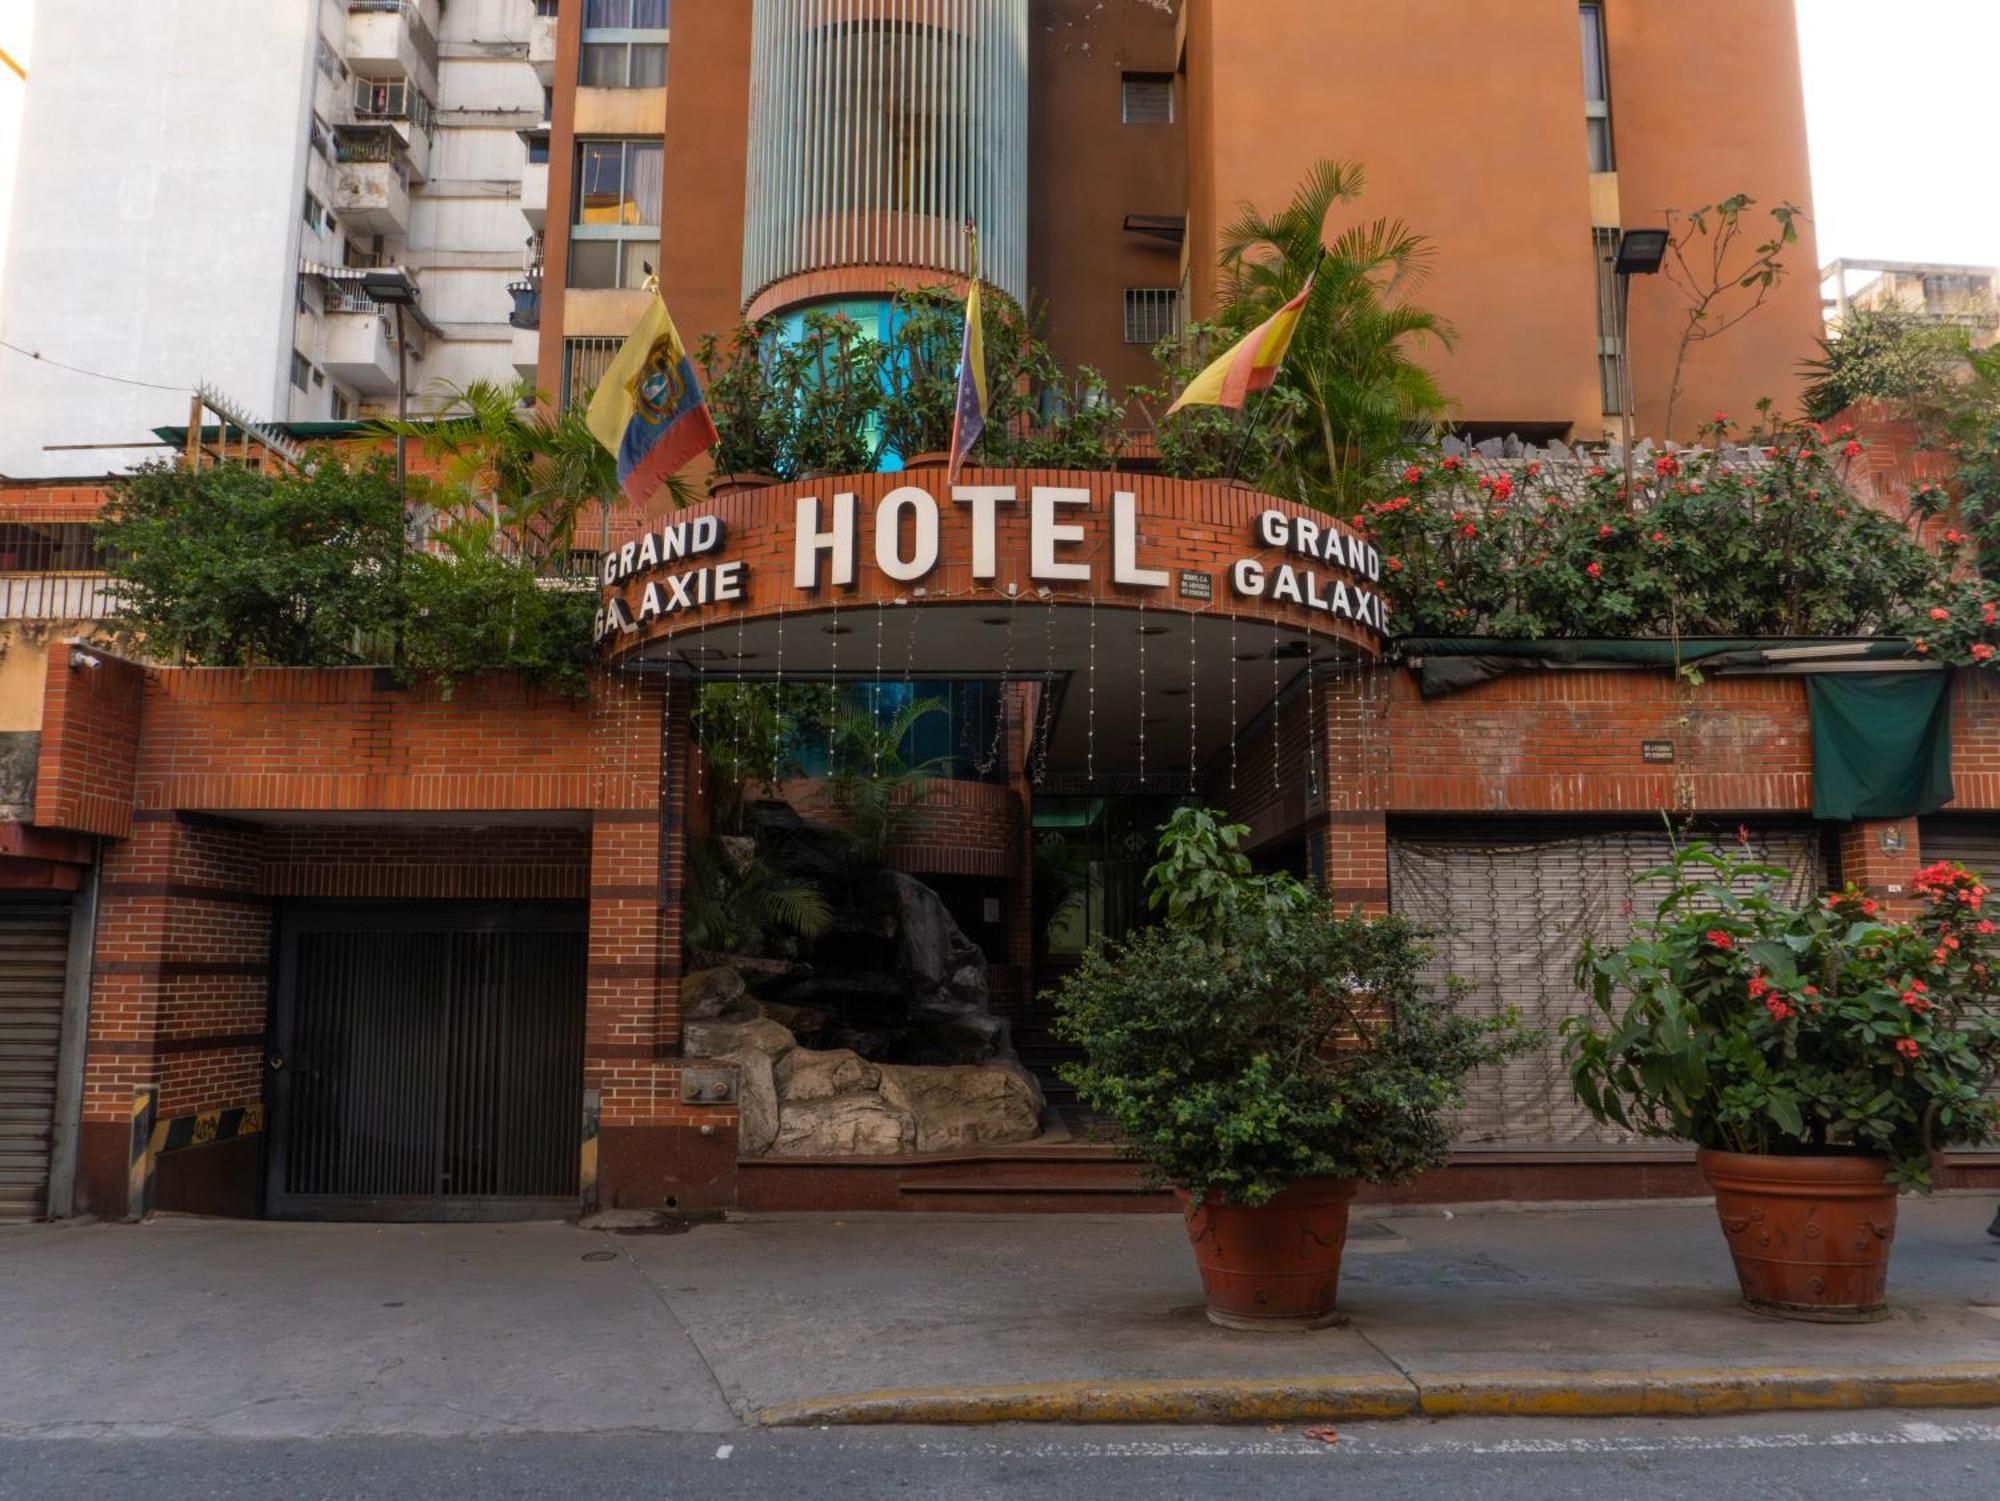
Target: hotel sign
[(1306, 563)]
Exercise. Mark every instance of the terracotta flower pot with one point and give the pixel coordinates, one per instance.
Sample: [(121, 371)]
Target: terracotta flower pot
[(1275, 1267), (736, 484), (936, 458), (1810, 1235)]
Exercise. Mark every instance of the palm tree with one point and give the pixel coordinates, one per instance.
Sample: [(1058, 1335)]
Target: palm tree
[(1366, 400), (505, 455)]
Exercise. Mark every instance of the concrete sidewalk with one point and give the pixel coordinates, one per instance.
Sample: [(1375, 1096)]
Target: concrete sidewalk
[(229, 1328)]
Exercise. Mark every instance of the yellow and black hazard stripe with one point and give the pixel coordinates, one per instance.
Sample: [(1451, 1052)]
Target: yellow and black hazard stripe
[(587, 1168), (206, 1129)]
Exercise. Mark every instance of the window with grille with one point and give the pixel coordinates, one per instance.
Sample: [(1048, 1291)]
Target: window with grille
[(1151, 314), (584, 364), (50, 547), (1611, 292), (1149, 98)]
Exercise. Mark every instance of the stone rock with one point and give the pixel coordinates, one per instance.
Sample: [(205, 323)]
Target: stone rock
[(805, 1076), (715, 995), (853, 1125), (952, 1109), (758, 1112), (795, 847), (709, 1039), (810, 1024)]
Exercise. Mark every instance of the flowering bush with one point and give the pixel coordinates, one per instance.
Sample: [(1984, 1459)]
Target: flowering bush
[(1745, 1023), (1701, 550)]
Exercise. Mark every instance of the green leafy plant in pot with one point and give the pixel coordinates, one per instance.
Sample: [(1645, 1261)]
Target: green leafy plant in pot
[(1818, 1054), (1266, 1054)]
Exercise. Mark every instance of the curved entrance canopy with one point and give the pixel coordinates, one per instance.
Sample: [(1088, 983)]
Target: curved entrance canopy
[(1176, 610)]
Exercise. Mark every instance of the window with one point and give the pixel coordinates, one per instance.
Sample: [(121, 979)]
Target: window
[(1151, 314), (392, 99), (1597, 87), (314, 212), (615, 217), (1149, 98), (624, 44), (322, 138), (538, 147), (343, 409), (301, 371), (548, 9), (583, 366), (50, 547)]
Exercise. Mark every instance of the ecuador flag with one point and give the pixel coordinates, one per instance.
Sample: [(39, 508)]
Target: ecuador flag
[(1252, 362), (649, 410)]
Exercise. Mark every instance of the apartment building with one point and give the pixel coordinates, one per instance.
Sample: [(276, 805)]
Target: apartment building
[(205, 190), (821, 152), (1963, 297)]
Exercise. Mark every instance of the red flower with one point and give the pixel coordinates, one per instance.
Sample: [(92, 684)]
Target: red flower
[(1666, 465), (1720, 939), (1853, 450), (1395, 565), (1869, 906), (1780, 1009), (1594, 570), (1759, 987), (1984, 927), (1907, 1046), (1722, 419), (1413, 475), (1981, 651), (1468, 530), (1940, 613), (1659, 536), (1453, 464), (1503, 488), (1603, 532), (1953, 538)]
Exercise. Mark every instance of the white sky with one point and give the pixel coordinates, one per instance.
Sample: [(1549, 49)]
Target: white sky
[(1899, 103)]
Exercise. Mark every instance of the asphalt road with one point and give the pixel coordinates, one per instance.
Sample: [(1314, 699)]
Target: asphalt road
[(1911, 1456)]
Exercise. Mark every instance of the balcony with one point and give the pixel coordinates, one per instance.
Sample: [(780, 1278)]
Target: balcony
[(360, 344), (527, 295), (392, 39), (58, 596), (535, 195), (372, 197), (395, 106), (542, 50)]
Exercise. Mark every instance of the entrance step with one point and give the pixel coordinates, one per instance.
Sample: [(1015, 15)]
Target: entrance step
[(1077, 1180)]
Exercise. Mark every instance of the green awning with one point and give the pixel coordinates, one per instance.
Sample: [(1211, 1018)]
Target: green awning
[(1881, 743)]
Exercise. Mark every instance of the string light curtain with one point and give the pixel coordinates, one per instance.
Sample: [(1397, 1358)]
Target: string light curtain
[(878, 128)]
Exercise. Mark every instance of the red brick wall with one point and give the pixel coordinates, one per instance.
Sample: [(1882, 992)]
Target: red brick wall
[(359, 861), (52, 500), (90, 744), (952, 829), (1896, 461)]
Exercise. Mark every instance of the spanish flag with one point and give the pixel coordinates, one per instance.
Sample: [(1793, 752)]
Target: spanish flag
[(968, 418), (649, 410), (1252, 364)]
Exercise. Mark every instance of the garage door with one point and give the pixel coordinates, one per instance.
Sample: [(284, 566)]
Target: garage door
[(427, 1063), (1513, 914), (34, 948)]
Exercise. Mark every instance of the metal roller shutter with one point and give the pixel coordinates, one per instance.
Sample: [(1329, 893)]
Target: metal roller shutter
[(1973, 843), (34, 949), (1512, 913)]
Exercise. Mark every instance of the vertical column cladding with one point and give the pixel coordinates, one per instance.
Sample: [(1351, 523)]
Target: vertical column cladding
[(878, 128)]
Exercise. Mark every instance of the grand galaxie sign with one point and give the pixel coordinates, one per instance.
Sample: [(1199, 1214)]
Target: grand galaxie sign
[(683, 567)]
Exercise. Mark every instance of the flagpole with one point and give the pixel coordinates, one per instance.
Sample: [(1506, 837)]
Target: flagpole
[(1250, 428)]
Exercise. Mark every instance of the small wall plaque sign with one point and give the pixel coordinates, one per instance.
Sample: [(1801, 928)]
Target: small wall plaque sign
[(1197, 585), (1656, 752)]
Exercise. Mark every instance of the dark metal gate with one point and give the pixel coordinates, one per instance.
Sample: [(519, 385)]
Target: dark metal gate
[(427, 1063)]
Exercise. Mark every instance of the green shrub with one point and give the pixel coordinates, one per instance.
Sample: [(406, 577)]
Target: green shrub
[(1257, 1037)]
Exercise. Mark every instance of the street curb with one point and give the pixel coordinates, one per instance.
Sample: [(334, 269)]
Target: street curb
[(1306, 1399)]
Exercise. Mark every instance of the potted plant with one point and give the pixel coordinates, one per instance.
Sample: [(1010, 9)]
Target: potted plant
[(1818, 1055), (1266, 1054)]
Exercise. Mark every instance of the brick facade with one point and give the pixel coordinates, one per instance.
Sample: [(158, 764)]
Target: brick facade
[(221, 795)]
